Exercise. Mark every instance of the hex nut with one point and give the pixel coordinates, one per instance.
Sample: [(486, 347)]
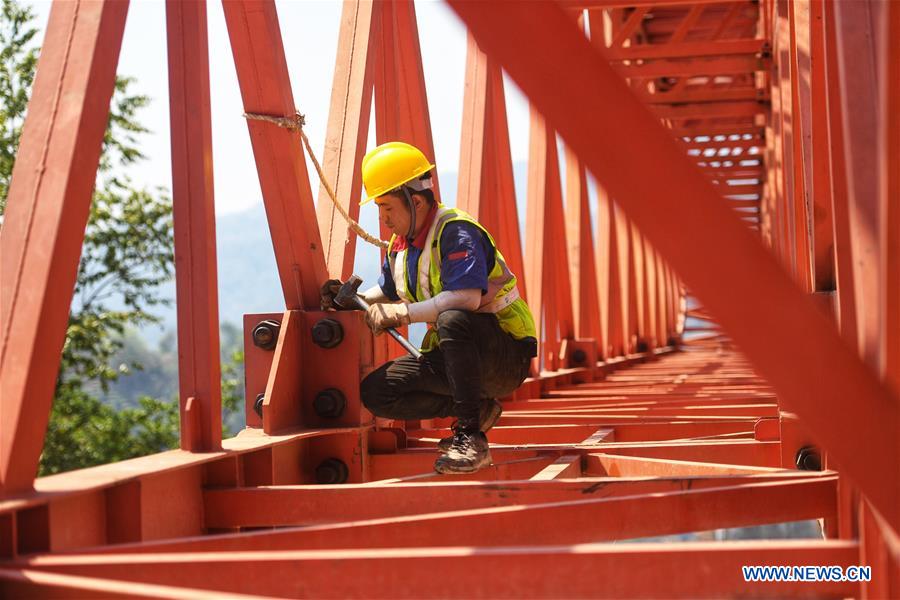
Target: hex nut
[(258, 404), (809, 459), (330, 403), (265, 334), (331, 471), (327, 333), (579, 356)]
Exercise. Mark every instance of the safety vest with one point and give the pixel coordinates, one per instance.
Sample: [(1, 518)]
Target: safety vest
[(502, 297)]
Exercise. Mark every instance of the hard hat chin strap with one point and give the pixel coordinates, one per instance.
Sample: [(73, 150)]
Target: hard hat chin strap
[(412, 213)]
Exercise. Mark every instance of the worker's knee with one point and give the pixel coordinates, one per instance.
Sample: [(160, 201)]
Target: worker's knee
[(374, 393), (454, 324)]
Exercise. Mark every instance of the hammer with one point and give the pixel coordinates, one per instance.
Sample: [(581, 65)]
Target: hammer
[(347, 297)]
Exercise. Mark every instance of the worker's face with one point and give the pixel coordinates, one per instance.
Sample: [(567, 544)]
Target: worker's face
[(393, 212)]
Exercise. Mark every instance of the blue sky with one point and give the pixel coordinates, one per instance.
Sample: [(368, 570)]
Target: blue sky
[(310, 32)]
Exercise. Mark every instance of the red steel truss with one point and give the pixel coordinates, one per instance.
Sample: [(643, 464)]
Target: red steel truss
[(747, 156)]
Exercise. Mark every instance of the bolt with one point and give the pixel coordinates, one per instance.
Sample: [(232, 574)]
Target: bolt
[(327, 333), (809, 459), (265, 334), (257, 405), (579, 356), (330, 403), (332, 470)]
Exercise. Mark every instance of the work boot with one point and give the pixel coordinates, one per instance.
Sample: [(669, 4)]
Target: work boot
[(468, 452), (487, 418)]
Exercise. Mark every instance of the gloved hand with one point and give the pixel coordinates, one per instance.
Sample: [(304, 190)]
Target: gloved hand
[(328, 292), (381, 316)]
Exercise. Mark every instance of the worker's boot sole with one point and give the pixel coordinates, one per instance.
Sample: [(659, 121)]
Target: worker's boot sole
[(490, 414), (448, 466)]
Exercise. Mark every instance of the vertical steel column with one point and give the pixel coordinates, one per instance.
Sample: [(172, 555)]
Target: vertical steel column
[(626, 278), (199, 371), (401, 105), (266, 88), (821, 189), (486, 187), (650, 322), (582, 270), (508, 233), (662, 320), (348, 131), (788, 232), (798, 16), (636, 288), (47, 210), (545, 256), (890, 249), (474, 156), (858, 66), (837, 165), (603, 267)]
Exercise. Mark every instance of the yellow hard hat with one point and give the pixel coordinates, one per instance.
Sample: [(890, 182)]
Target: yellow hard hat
[(388, 166)]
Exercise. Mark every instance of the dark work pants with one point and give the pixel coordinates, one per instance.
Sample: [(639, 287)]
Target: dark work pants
[(474, 360)]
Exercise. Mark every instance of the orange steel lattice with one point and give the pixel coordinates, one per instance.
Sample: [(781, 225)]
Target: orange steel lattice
[(719, 349)]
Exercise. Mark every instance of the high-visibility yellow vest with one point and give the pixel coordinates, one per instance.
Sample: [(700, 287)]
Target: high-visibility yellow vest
[(502, 297)]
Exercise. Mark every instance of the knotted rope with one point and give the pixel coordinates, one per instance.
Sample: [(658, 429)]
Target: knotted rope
[(296, 123)]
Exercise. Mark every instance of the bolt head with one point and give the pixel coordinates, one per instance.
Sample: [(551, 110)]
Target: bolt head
[(809, 459), (330, 403), (258, 404), (579, 356), (327, 333), (265, 334), (332, 471)]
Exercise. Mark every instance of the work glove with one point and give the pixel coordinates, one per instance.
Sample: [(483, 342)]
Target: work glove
[(381, 316), (328, 292)]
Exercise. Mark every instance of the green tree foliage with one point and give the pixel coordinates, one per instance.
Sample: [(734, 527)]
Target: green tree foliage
[(18, 58), (127, 254)]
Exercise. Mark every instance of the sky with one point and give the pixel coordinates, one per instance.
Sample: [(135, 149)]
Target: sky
[(309, 29)]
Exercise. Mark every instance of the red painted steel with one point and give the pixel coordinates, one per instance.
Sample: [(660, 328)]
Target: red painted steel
[(859, 89), (582, 269), (647, 433), (43, 229), (197, 298), (890, 215), (347, 134), (806, 384), (266, 89)]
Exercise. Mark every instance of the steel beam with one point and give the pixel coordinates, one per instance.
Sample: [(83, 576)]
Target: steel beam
[(348, 132), (199, 371), (47, 211), (687, 49), (694, 67), (594, 569), (582, 270), (837, 164), (280, 506), (266, 89), (27, 583), (858, 64), (890, 233), (486, 187)]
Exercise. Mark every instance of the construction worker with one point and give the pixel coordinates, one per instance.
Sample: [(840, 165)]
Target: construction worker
[(442, 268)]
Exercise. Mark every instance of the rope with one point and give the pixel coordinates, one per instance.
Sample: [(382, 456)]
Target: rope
[(296, 123)]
